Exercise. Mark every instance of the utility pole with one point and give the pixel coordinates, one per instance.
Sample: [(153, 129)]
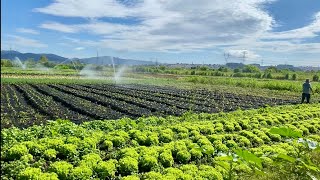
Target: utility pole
[(226, 57), (97, 57), (261, 62), (11, 53), (244, 56)]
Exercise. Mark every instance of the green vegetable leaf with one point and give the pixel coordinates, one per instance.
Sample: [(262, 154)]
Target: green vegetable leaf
[(286, 157), (249, 157), (313, 168), (223, 164), (287, 132)]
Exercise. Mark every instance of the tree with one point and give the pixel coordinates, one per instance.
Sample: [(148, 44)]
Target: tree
[(271, 69), (236, 70), (30, 62), (251, 69), (294, 77), (44, 60), (223, 69), (6, 63)]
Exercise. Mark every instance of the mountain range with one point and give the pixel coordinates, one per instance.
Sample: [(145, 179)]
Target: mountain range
[(102, 60)]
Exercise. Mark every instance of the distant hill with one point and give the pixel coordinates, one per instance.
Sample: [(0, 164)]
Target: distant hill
[(25, 56), (103, 60), (107, 60)]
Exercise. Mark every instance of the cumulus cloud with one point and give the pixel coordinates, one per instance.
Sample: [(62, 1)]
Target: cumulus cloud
[(308, 31), (164, 24), (181, 26), (28, 31)]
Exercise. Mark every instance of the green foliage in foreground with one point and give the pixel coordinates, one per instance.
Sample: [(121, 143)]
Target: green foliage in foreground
[(270, 143)]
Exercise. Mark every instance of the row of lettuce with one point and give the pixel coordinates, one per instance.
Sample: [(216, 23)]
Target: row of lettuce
[(23, 105), (185, 147)]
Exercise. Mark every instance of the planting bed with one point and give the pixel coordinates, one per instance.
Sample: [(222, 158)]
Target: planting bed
[(192, 146), (25, 104)]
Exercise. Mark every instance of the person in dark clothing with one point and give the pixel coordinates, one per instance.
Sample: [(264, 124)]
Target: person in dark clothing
[(306, 91)]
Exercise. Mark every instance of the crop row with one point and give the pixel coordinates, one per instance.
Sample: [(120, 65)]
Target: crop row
[(47, 105), (82, 106), (166, 148), (93, 102), (15, 110)]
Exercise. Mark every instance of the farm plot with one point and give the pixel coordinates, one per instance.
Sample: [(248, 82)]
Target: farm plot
[(192, 146), (26, 104)]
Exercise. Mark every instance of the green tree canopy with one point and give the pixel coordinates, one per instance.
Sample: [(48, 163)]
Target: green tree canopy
[(43, 59), (250, 69)]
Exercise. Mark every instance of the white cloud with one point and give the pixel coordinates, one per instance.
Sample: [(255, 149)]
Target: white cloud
[(182, 26), (59, 27), (165, 25), (308, 31), (19, 41), (79, 48), (26, 30)]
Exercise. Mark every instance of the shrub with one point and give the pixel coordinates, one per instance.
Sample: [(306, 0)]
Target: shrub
[(166, 159), (61, 168), (127, 166), (315, 77), (147, 163)]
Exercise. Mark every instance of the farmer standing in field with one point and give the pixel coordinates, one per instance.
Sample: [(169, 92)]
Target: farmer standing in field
[(306, 91)]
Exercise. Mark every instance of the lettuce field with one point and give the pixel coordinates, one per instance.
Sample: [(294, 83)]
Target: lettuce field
[(23, 105), (97, 131), (191, 146)]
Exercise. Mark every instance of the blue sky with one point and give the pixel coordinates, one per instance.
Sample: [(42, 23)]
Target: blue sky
[(202, 31)]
